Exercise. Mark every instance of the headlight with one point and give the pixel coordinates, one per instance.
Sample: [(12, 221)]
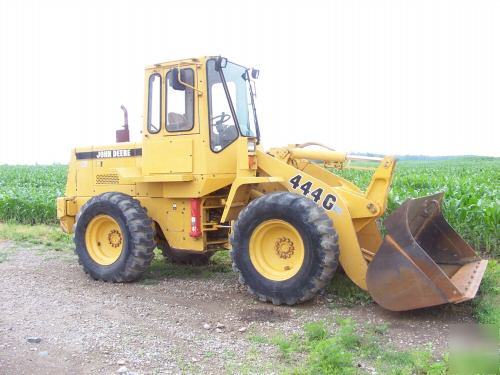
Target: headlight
[(251, 145)]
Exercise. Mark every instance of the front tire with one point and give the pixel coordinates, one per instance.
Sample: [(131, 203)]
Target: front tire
[(284, 248), (114, 238)]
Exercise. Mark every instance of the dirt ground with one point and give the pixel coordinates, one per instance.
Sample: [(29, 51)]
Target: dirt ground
[(175, 325)]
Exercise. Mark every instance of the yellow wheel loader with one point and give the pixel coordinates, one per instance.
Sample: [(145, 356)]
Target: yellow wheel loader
[(200, 182)]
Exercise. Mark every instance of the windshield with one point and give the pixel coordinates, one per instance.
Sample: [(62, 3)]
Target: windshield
[(230, 104), (237, 77)]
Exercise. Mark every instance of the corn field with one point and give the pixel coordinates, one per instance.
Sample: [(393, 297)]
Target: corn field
[(471, 186), (472, 194)]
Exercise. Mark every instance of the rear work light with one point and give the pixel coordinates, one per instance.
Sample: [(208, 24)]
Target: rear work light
[(195, 217)]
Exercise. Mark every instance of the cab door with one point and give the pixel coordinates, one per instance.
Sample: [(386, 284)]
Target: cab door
[(171, 113)]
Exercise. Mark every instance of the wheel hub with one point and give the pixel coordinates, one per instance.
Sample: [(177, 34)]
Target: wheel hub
[(276, 250), (104, 240), (114, 238), (284, 247)]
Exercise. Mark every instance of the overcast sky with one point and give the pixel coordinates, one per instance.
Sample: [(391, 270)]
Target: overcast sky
[(393, 77)]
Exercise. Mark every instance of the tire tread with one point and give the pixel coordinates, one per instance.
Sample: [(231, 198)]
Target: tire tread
[(329, 247), (140, 227)]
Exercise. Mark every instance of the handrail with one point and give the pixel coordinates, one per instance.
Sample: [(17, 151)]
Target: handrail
[(200, 92)]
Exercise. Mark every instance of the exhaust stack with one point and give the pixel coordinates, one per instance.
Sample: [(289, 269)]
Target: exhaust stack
[(123, 135)]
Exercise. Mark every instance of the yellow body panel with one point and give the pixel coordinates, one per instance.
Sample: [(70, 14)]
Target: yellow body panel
[(179, 160), (240, 193)]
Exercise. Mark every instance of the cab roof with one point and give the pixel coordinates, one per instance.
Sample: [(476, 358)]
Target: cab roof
[(188, 61)]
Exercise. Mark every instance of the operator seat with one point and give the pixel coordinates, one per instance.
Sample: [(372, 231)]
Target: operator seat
[(176, 122)]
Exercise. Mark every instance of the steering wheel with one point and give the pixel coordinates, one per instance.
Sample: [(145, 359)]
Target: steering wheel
[(223, 118)]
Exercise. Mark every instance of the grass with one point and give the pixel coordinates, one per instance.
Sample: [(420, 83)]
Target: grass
[(487, 303), (350, 349), (466, 362), (49, 237), (343, 292), (220, 263)]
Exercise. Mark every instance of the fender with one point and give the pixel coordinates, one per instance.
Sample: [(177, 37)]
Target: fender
[(238, 197)]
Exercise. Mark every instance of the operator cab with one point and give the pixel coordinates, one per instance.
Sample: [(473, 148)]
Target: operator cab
[(194, 110)]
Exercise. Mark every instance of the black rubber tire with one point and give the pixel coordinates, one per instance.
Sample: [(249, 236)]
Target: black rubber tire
[(183, 257), (320, 243), (139, 234)]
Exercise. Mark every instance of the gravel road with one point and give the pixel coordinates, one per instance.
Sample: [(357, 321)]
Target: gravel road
[(55, 320)]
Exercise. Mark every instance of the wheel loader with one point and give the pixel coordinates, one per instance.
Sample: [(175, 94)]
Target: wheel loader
[(200, 182)]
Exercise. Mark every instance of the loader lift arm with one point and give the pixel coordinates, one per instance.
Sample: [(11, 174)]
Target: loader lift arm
[(421, 261), (352, 211)]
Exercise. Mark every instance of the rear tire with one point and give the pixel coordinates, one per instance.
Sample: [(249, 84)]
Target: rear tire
[(114, 238), (284, 248), (182, 256)]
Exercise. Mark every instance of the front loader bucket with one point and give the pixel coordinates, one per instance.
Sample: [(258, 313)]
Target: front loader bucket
[(422, 261)]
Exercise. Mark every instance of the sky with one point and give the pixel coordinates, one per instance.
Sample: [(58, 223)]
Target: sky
[(388, 77)]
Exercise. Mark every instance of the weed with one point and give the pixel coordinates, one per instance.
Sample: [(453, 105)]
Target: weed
[(344, 292), (349, 350), (287, 346), (330, 357), (315, 331)]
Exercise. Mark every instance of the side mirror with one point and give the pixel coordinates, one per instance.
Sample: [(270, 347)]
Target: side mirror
[(174, 81), (255, 73)]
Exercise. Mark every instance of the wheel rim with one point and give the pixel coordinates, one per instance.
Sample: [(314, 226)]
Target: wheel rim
[(104, 240), (276, 250)]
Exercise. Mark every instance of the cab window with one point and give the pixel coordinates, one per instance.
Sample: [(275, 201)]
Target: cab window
[(223, 130), (154, 103), (180, 100)]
